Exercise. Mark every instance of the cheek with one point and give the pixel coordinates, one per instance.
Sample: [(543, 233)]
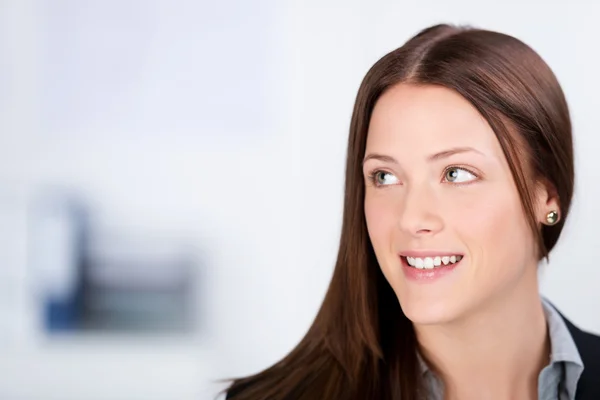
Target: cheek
[(495, 230), (379, 216)]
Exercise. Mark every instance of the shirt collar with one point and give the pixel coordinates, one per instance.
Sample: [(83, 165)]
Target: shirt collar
[(562, 345), (563, 348)]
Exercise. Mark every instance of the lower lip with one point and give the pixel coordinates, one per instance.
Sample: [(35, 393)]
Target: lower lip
[(427, 275)]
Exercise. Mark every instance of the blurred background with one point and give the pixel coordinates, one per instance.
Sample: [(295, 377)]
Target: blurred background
[(171, 179)]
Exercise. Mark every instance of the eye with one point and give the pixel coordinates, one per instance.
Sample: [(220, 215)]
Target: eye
[(383, 178), (458, 175)]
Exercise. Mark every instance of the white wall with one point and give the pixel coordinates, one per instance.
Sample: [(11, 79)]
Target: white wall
[(229, 124)]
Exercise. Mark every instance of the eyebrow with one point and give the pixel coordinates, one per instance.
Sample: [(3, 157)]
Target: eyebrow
[(434, 157)]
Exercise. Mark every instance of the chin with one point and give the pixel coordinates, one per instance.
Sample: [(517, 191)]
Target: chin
[(428, 311)]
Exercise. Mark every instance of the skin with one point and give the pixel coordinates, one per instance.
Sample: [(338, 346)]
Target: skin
[(481, 327)]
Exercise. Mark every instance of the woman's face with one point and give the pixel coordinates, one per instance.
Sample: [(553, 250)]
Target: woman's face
[(442, 209)]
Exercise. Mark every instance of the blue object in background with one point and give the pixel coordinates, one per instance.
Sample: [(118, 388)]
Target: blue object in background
[(58, 230)]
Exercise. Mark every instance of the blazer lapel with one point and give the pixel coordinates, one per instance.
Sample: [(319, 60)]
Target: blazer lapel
[(588, 345)]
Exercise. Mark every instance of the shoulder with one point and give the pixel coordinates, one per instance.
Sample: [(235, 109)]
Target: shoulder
[(587, 343), (232, 392), (588, 346), (229, 395), (236, 389)]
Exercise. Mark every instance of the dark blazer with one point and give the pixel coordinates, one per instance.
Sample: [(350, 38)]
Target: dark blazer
[(588, 345)]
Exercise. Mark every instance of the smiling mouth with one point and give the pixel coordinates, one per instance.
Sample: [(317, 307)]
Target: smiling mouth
[(432, 262)]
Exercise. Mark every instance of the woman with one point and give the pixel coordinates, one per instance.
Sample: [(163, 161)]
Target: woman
[(459, 180)]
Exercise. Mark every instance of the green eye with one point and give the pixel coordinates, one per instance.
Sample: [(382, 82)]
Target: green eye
[(382, 178), (458, 175)]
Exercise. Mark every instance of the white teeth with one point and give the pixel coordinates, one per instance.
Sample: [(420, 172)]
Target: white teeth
[(419, 263), (432, 262), (428, 263)]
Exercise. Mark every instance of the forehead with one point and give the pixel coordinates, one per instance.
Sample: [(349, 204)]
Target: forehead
[(414, 117)]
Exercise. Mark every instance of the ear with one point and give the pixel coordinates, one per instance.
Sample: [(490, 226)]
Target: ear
[(546, 201)]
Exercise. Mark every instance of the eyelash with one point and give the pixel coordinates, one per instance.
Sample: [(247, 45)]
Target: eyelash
[(372, 176)]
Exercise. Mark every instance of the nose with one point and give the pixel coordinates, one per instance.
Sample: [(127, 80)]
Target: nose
[(420, 213)]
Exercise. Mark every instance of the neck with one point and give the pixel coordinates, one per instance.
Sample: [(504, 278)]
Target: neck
[(496, 352)]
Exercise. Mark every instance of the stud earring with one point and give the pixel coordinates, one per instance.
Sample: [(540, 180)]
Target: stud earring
[(552, 217)]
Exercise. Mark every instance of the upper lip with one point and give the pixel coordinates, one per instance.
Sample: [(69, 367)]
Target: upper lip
[(428, 253)]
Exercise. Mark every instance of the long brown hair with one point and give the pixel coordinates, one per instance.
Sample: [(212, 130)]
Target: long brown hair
[(361, 345)]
